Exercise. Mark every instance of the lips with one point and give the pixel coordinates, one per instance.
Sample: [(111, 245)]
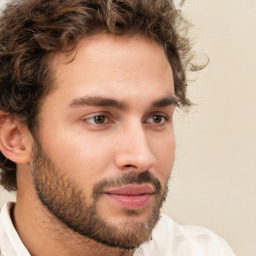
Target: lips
[(131, 196)]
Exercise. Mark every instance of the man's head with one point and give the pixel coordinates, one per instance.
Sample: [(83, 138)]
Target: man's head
[(91, 87)]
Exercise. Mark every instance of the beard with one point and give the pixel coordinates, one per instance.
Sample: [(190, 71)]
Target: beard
[(64, 199)]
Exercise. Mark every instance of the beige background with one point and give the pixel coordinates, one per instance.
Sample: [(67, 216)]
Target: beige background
[(213, 182)]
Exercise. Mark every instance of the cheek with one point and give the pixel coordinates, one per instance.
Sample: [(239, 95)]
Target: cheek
[(164, 152), (86, 159)]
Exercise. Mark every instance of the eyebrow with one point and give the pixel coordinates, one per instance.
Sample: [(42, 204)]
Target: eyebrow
[(98, 101), (109, 102), (164, 102)]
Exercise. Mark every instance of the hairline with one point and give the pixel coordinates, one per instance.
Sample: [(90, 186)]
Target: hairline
[(51, 64)]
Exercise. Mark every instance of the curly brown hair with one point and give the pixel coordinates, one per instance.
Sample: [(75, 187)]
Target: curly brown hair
[(31, 30)]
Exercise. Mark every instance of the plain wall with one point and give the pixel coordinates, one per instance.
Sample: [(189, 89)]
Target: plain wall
[(213, 180)]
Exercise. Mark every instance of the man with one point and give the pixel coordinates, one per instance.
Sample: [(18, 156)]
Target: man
[(88, 90)]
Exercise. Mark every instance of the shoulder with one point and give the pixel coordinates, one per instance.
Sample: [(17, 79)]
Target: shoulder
[(173, 239)]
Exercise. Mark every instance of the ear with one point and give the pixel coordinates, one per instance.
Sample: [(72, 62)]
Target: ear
[(15, 139)]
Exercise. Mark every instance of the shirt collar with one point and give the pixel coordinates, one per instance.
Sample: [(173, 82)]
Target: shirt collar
[(10, 242)]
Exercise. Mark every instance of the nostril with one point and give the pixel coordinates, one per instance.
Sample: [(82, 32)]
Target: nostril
[(129, 165)]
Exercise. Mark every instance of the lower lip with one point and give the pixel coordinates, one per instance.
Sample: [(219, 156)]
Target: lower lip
[(130, 202)]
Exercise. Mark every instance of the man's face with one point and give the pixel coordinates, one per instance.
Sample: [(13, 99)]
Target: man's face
[(105, 146)]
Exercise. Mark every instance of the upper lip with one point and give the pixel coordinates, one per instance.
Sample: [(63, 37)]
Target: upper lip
[(132, 190)]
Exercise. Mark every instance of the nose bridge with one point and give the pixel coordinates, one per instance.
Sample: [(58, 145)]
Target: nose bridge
[(134, 151)]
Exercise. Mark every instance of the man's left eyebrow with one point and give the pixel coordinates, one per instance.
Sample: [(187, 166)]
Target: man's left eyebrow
[(164, 102)]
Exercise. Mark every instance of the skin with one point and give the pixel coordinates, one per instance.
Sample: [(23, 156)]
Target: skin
[(132, 139)]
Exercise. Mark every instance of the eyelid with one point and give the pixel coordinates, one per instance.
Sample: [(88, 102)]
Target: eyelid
[(93, 121), (110, 119), (163, 115), (93, 115)]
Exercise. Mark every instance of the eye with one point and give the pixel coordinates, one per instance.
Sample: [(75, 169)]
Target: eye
[(157, 119), (100, 119)]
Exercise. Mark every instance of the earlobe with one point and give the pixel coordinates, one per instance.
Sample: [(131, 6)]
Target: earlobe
[(15, 142)]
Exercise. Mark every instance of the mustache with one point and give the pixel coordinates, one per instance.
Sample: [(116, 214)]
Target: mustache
[(127, 179)]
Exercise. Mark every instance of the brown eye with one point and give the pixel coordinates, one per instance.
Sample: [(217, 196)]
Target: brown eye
[(99, 119), (157, 119)]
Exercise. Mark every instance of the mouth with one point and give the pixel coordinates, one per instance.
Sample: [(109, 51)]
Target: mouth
[(133, 196)]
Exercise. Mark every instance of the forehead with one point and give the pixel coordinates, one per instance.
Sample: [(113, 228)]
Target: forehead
[(109, 64)]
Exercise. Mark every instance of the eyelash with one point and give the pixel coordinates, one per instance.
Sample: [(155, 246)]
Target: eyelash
[(94, 117), (164, 119)]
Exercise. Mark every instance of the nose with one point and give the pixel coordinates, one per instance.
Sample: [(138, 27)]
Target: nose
[(133, 151)]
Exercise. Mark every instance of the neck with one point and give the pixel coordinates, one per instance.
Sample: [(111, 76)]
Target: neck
[(43, 234)]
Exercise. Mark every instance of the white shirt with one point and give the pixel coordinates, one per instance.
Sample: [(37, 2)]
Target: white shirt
[(168, 239)]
